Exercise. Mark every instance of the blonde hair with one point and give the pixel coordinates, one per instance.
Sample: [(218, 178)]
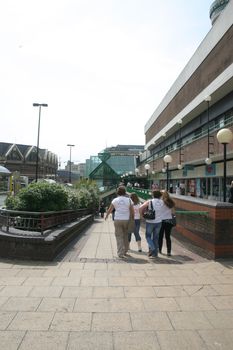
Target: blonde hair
[(134, 198), (169, 202)]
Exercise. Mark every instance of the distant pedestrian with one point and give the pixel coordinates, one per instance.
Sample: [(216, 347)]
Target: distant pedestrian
[(123, 206), (137, 221), (166, 227), (231, 193), (102, 209)]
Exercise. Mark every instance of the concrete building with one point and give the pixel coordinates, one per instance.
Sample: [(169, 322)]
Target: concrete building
[(186, 122), (113, 163)]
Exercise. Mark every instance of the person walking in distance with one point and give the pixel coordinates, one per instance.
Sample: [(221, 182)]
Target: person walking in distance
[(153, 226), (137, 221), (123, 208), (231, 193), (166, 227)]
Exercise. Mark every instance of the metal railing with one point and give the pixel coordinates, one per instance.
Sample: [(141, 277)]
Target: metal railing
[(38, 221)]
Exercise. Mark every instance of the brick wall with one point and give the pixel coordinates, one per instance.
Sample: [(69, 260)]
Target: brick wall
[(211, 228)]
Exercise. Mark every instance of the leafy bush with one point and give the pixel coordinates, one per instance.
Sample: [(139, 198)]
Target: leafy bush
[(43, 196), (40, 196)]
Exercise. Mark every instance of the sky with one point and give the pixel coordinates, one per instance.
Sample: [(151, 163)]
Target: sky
[(102, 66)]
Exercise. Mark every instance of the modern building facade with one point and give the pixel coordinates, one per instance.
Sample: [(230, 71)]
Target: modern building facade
[(113, 163), (186, 122), (22, 159)]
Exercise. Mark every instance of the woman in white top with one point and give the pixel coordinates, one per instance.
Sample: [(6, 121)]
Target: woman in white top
[(137, 221), (153, 226), (166, 227), (123, 208)]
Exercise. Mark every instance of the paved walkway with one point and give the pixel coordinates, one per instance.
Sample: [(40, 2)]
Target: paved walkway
[(89, 299)]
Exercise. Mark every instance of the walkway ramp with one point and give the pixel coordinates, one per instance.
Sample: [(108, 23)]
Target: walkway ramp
[(89, 299)]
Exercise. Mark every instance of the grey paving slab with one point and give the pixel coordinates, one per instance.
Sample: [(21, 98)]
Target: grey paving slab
[(180, 340), (108, 292), (220, 319), (184, 320), (57, 304), (223, 289), (217, 339), (170, 291), (34, 321), (31, 272), (21, 304), (44, 291), (149, 321), (16, 291), (222, 302), (10, 340), (94, 281), (38, 281), (111, 322), (66, 281), (135, 341), (44, 341), (161, 304), (78, 292), (90, 340), (139, 292), (9, 272), (11, 281), (194, 303), (67, 321), (5, 318), (201, 290)]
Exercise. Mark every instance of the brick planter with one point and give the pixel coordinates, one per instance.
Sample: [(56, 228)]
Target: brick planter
[(46, 247), (206, 224)]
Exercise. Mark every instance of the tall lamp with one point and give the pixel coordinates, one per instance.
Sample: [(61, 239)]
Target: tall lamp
[(180, 165), (224, 137), (147, 168), (38, 135), (167, 159), (208, 160), (69, 145)]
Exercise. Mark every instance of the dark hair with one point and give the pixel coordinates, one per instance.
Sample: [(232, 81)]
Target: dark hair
[(157, 194), (134, 198), (121, 191)]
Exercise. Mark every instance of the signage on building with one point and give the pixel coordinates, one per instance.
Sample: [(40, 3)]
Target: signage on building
[(210, 169)]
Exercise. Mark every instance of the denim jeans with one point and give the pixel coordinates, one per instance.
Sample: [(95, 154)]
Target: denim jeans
[(136, 231), (152, 236)]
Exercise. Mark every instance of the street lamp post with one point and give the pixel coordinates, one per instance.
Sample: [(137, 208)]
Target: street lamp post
[(180, 165), (69, 145), (208, 160), (38, 135), (147, 168), (224, 137), (167, 159)]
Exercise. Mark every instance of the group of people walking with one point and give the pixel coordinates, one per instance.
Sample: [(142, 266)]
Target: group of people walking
[(125, 207)]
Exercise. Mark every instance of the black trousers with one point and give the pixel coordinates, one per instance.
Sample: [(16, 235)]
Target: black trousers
[(165, 228)]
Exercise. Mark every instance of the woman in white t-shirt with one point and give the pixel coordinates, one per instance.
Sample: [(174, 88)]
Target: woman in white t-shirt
[(153, 226), (123, 208)]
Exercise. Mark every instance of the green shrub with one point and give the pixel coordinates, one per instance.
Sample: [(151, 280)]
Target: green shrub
[(42, 196)]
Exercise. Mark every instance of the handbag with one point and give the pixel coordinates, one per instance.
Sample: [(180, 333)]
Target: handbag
[(171, 221), (149, 213)]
